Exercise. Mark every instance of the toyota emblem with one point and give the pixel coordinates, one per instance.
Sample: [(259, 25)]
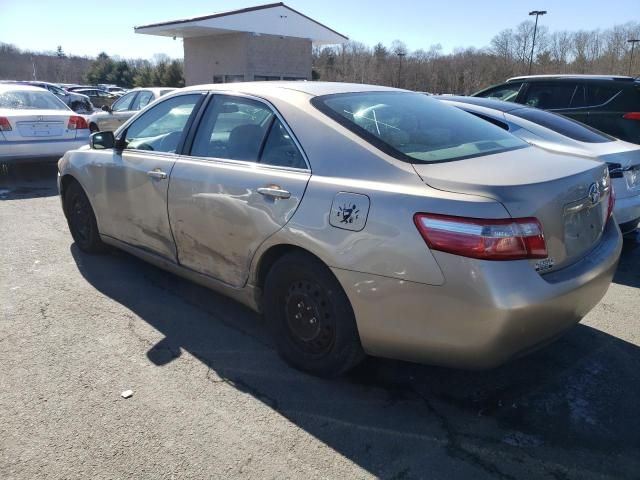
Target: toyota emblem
[(594, 193)]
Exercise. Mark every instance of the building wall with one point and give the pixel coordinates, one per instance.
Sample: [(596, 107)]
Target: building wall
[(271, 55), (207, 56), (247, 55)]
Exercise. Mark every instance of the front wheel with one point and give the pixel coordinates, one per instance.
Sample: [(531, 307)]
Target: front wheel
[(82, 220), (310, 316)]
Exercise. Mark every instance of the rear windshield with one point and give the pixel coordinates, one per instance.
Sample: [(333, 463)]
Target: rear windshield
[(415, 128), (563, 125), (30, 100)]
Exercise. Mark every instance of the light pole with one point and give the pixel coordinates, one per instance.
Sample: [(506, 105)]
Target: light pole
[(633, 42), (537, 13), (400, 55)]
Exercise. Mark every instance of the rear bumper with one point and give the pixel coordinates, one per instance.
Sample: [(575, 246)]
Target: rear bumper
[(38, 150), (485, 313)]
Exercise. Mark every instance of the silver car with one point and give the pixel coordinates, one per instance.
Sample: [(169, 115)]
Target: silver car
[(561, 134), (358, 219), (36, 126), (111, 117)]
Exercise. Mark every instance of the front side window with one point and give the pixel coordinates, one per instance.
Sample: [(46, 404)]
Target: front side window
[(123, 104), (549, 95), (415, 128), (562, 125), (142, 100), (506, 93), (31, 100), (160, 128)]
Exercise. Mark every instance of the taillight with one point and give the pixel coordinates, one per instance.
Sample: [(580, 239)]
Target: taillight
[(5, 126), (77, 123), (487, 239), (631, 116), (612, 201)]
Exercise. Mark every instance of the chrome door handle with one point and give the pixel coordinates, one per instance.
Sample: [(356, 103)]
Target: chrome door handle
[(274, 191), (157, 173)]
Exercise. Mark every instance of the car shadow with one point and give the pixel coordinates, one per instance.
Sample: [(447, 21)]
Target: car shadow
[(628, 272), (29, 180), (566, 411)]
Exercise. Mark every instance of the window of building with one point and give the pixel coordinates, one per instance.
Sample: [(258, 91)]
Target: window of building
[(265, 78)]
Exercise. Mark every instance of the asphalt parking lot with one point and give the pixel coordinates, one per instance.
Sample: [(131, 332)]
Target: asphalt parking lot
[(213, 400)]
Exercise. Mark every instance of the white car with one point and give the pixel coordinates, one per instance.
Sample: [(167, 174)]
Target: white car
[(35, 125), (558, 133), (110, 118)]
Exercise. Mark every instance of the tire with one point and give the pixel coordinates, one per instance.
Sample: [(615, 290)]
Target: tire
[(310, 317), (81, 220), (93, 128)]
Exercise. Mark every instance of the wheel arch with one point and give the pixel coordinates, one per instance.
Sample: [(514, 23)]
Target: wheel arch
[(271, 255)]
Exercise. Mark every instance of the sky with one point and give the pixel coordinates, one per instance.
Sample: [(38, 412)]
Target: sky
[(87, 28)]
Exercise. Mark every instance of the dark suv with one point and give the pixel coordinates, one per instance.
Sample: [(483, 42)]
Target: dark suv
[(610, 104)]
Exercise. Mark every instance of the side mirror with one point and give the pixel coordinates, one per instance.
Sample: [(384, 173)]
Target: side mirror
[(102, 140), (107, 109)]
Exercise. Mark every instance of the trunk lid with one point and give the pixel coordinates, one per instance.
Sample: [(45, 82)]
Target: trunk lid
[(37, 125), (568, 195)]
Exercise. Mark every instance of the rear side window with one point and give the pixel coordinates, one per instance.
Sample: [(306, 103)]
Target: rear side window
[(549, 95), (232, 128), (593, 95), (238, 128), (415, 128), (563, 125)]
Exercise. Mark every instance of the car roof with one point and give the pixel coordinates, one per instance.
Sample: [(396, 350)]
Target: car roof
[(623, 78), (5, 87), (482, 102), (310, 88)]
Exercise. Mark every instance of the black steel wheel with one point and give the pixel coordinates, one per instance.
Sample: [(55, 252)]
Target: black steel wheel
[(310, 316), (81, 219)]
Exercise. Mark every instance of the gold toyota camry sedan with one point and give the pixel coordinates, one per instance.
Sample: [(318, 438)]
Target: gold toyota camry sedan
[(358, 219)]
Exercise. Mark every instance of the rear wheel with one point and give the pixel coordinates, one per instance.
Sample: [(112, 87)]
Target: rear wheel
[(93, 128), (82, 220), (310, 317)]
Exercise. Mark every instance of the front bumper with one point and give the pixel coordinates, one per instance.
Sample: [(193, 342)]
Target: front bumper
[(485, 313), (38, 150)]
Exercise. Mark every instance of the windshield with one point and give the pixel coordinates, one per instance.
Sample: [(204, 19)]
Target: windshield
[(415, 128), (30, 100), (563, 125)]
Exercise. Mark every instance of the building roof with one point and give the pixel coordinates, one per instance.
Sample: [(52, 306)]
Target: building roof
[(270, 19)]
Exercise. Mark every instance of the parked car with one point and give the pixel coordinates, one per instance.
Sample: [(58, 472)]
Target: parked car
[(608, 103), (99, 98), (558, 133), (124, 108), (76, 101), (36, 125), (114, 89), (357, 218)]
